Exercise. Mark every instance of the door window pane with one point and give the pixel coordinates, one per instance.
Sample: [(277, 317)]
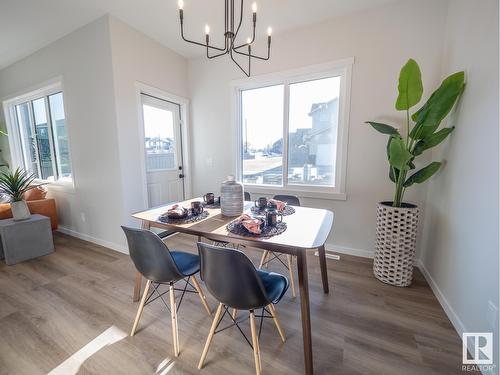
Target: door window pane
[(43, 140), (60, 135), (312, 138), (159, 139), (262, 131)]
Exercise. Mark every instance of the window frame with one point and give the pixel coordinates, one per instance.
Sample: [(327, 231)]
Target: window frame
[(340, 68), (15, 140)]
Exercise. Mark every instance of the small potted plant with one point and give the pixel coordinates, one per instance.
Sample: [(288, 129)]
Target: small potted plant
[(397, 221), (14, 185)]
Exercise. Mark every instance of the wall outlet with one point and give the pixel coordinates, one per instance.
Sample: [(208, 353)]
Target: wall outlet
[(492, 314), (210, 162), (82, 216)]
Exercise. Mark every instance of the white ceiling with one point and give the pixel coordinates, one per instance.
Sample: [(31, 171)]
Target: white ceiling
[(28, 25)]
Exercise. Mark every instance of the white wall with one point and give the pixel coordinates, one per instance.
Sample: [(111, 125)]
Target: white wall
[(381, 41), (460, 255), (137, 58), (83, 60)]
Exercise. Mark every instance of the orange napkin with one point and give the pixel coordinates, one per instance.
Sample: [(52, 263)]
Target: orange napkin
[(280, 206), (251, 224)]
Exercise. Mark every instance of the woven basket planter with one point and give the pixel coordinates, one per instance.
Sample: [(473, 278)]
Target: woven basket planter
[(395, 243)]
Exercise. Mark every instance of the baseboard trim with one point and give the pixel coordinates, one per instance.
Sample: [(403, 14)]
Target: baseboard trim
[(346, 250), (89, 238), (452, 315)]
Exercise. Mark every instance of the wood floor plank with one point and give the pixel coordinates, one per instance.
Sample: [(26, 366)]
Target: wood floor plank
[(53, 306)]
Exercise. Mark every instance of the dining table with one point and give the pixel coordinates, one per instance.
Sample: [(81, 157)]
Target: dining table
[(307, 229)]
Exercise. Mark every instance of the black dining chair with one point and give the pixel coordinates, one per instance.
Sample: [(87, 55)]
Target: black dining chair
[(233, 280), (269, 256), (247, 196), (160, 266)]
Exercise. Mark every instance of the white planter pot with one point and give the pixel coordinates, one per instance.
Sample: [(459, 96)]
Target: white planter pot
[(395, 243), (20, 210)]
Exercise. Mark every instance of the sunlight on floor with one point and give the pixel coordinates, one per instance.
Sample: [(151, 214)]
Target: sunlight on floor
[(73, 363), (165, 366)]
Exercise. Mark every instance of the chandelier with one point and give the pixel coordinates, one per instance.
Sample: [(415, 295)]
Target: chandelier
[(231, 30)]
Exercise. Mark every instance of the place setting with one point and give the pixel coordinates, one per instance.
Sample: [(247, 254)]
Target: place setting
[(262, 204), (252, 225), (181, 215)]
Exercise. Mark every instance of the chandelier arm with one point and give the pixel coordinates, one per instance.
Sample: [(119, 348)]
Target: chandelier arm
[(254, 56), (198, 43), (226, 50), (239, 24), (253, 39), (239, 66), (216, 55)]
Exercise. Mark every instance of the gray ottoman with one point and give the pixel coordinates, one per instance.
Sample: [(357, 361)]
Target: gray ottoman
[(26, 239)]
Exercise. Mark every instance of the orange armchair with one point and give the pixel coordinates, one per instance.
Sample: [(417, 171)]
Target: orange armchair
[(45, 207)]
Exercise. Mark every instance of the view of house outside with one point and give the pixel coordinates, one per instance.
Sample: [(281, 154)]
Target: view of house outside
[(159, 140), (312, 133)]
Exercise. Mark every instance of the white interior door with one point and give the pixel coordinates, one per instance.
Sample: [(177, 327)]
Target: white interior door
[(163, 150)]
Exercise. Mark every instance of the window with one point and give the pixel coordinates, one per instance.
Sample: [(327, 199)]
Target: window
[(37, 134), (293, 131)]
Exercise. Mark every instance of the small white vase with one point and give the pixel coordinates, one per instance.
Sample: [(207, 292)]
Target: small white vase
[(20, 210)]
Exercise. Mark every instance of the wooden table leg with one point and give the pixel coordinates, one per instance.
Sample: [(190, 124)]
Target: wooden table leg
[(305, 311), (137, 286), (138, 276), (324, 271)]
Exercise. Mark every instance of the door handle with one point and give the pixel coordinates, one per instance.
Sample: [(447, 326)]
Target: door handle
[(181, 176)]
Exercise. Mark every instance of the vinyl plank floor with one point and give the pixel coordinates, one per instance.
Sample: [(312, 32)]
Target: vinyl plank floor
[(59, 310)]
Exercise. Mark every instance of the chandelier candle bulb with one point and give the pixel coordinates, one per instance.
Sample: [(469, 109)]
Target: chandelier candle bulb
[(180, 3), (254, 8)]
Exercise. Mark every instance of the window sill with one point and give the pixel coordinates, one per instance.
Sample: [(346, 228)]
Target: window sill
[(59, 186), (299, 192)]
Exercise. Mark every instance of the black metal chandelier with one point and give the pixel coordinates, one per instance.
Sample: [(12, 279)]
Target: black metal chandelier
[(230, 34)]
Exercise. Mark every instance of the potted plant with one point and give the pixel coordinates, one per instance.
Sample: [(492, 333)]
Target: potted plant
[(397, 221), (14, 185)]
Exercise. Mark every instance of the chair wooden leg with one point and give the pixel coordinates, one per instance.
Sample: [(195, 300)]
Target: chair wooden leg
[(234, 313), (173, 315), (201, 294), (141, 308), (263, 258), (255, 344), (277, 322), (290, 272), (210, 336)]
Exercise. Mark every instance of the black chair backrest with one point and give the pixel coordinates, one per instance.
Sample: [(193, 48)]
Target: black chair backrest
[(151, 256), (292, 200), (231, 277), (247, 196)]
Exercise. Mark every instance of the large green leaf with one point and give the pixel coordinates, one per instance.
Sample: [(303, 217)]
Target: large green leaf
[(383, 128), (423, 174), (432, 140), (399, 156), (438, 106), (393, 174), (410, 86)]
